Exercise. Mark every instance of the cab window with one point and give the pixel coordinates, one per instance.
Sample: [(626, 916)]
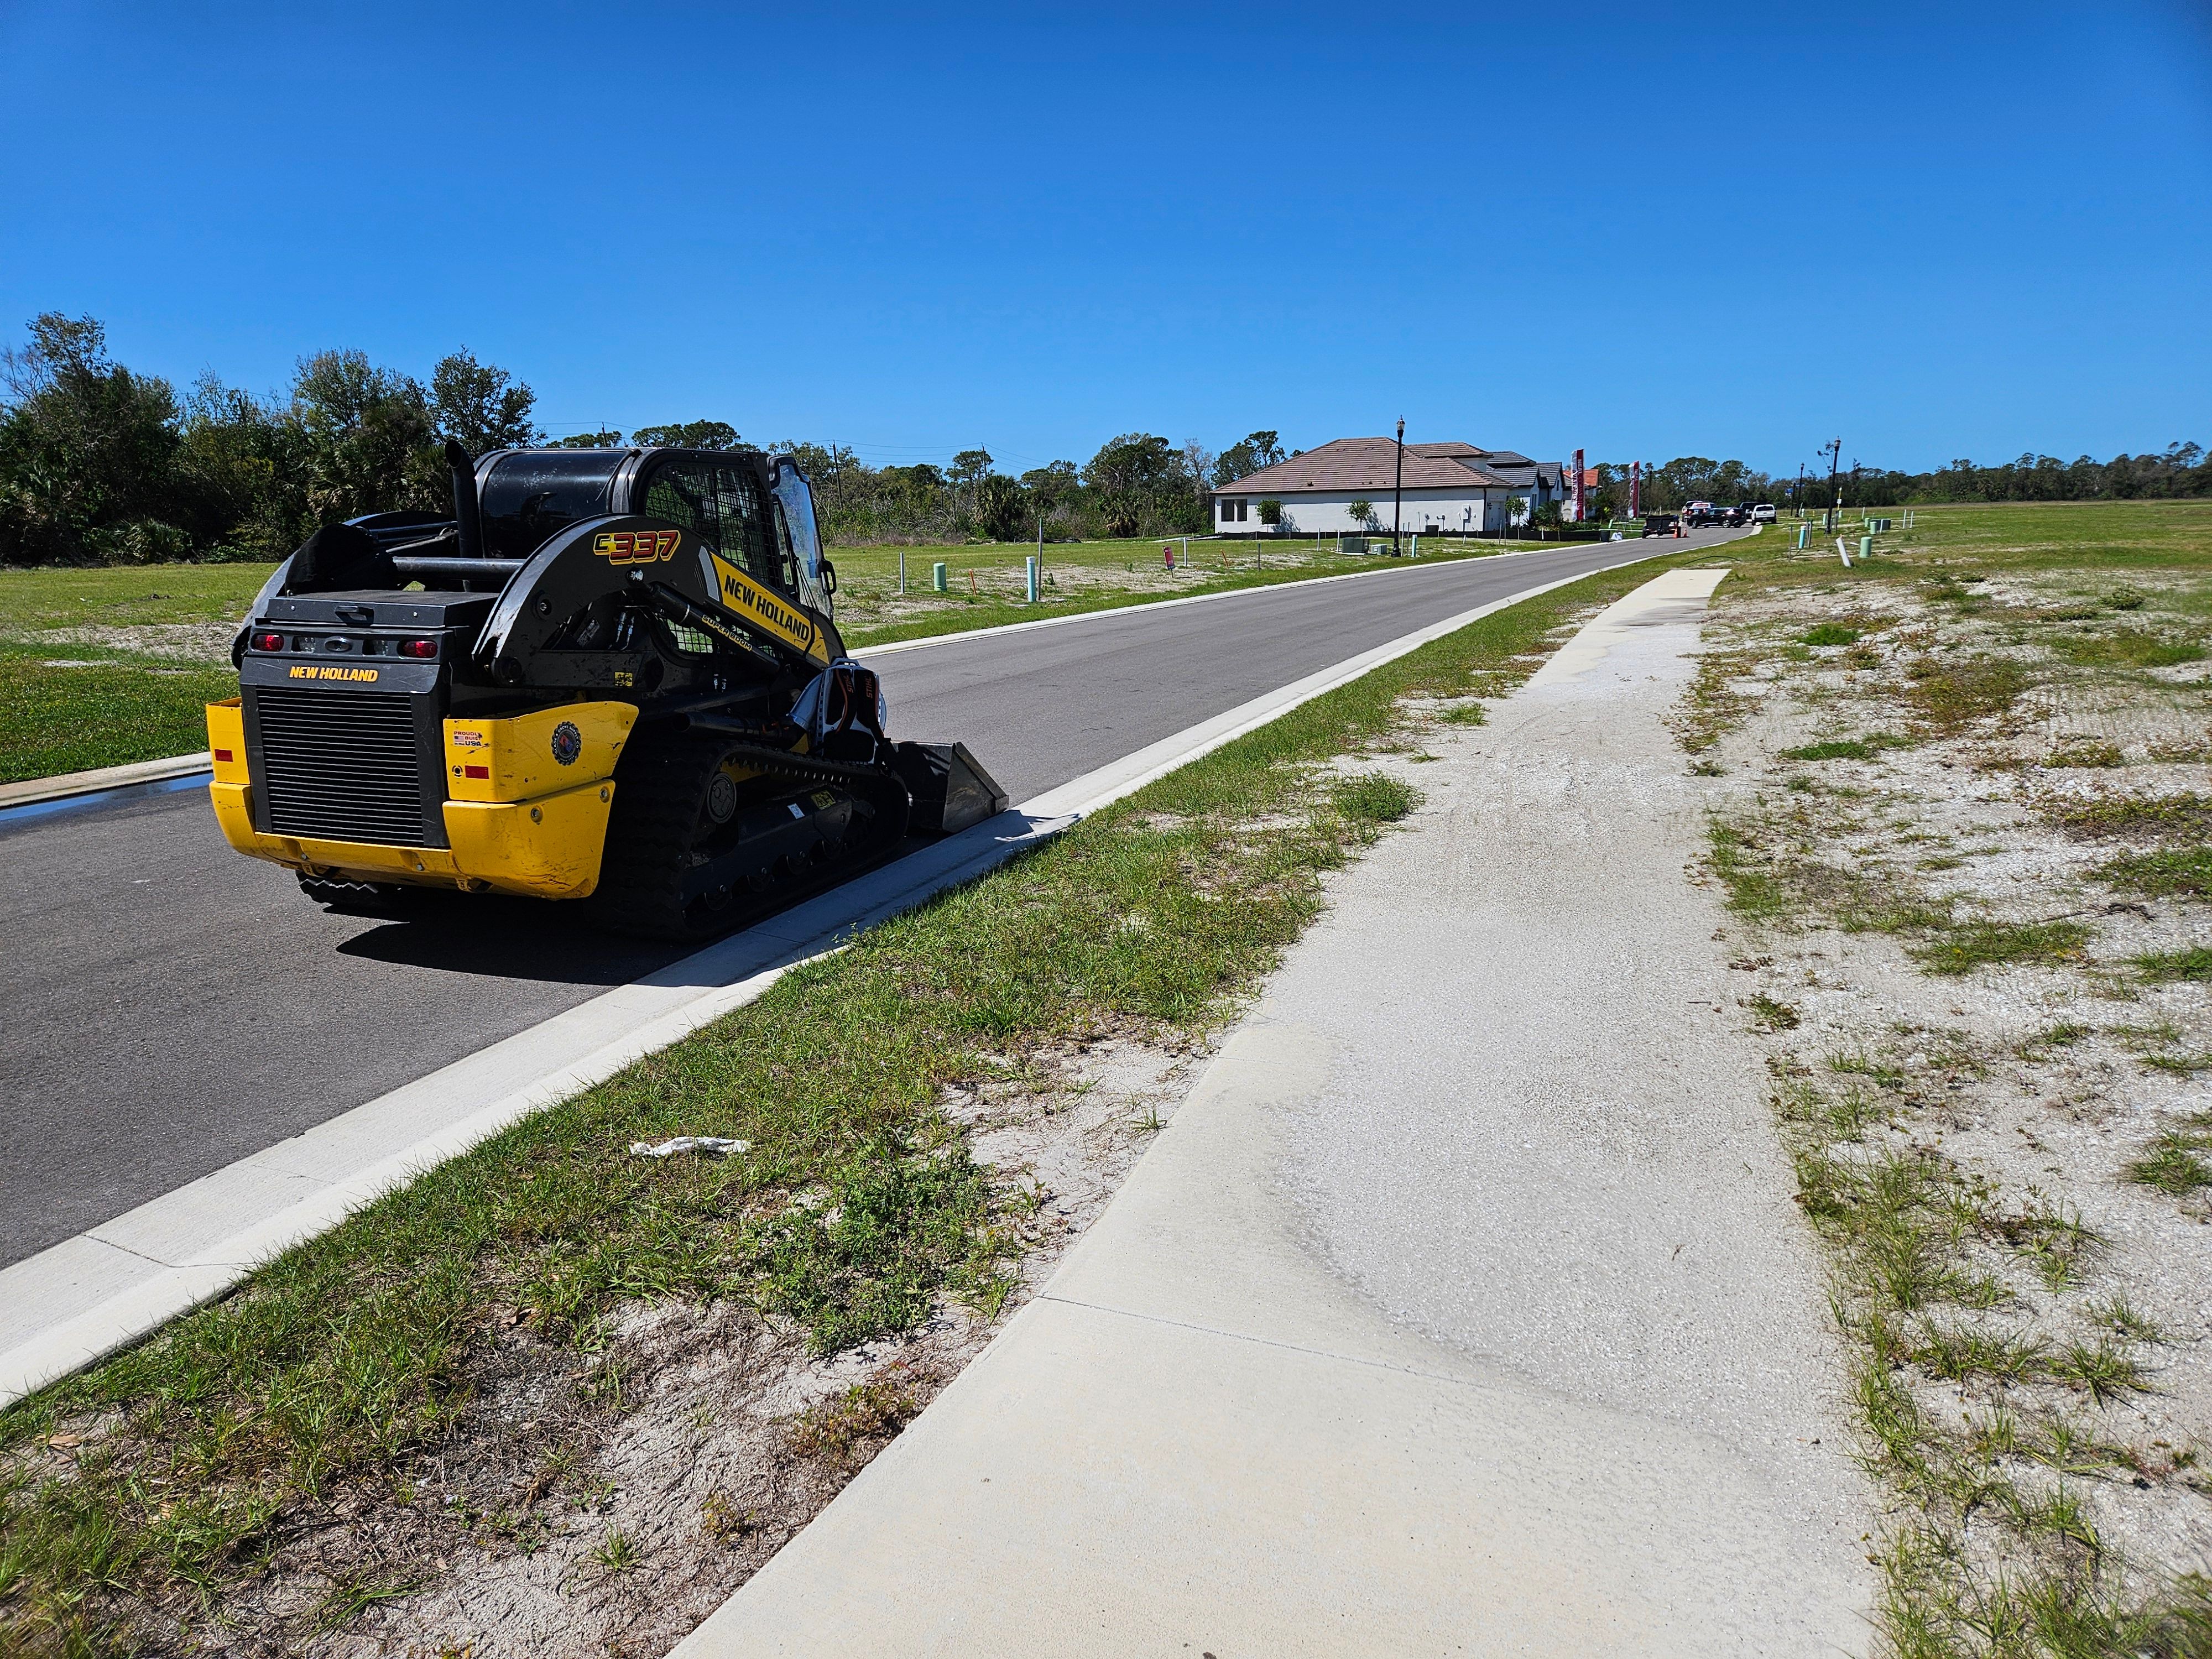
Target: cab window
[(683, 492), (748, 539)]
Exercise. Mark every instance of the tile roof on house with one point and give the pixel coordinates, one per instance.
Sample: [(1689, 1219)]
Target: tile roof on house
[(1369, 463)]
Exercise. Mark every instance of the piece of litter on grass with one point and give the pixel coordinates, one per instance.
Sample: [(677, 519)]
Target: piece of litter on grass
[(714, 1144)]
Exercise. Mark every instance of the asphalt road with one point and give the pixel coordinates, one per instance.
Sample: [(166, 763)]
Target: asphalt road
[(170, 1007)]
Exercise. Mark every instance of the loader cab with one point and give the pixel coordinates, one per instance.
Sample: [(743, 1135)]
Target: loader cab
[(755, 511)]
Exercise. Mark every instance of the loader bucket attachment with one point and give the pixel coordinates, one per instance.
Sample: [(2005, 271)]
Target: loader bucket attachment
[(950, 789)]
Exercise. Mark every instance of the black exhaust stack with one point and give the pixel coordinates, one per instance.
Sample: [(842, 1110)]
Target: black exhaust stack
[(466, 516)]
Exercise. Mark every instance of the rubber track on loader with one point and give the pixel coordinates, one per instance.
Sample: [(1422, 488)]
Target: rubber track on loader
[(655, 820)]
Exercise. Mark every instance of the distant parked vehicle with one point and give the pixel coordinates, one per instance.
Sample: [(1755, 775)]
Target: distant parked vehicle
[(1699, 512), (1762, 513), (1660, 524), (1737, 516)]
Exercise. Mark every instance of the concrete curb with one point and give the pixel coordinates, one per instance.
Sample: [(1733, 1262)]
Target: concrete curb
[(106, 1287), (101, 779)]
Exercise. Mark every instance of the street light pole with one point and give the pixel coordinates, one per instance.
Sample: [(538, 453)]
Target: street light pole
[(1398, 488), (1835, 448)]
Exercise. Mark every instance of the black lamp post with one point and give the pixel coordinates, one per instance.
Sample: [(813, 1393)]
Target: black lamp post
[(1398, 488)]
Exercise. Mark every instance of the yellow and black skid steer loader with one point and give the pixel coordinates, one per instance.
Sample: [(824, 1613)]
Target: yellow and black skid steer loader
[(611, 675)]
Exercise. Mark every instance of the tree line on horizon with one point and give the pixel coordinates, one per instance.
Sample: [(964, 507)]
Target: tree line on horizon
[(99, 464), (2181, 471)]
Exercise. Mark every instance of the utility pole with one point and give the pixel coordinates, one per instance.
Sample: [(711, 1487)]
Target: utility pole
[(1798, 498), (1635, 490), (1398, 488), (1835, 448)]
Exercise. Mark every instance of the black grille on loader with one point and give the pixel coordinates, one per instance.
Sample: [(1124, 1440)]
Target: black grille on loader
[(341, 765)]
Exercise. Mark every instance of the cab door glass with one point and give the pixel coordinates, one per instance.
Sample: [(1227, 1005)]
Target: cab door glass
[(805, 535), (786, 557)]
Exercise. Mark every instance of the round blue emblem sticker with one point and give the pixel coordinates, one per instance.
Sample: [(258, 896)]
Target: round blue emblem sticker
[(567, 743)]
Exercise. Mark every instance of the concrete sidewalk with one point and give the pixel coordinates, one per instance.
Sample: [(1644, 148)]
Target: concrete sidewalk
[(1462, 1308)]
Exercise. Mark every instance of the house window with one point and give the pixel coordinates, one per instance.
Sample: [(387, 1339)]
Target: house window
[(1243, 507)]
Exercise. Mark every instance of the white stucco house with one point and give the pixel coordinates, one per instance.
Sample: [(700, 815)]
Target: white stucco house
[(1452, 488)]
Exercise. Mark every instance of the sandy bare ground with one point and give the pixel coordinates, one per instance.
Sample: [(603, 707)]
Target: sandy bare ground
[(2069, 1446), (194, 642), (604, 1503)]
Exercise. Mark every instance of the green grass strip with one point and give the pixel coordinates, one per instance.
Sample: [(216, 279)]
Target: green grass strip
[(119, 708)]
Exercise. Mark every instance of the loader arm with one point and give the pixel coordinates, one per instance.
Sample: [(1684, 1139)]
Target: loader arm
[(656, 565)]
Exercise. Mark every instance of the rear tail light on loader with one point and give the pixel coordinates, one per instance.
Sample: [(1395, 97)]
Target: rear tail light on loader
[(418, 647), (268, 642)]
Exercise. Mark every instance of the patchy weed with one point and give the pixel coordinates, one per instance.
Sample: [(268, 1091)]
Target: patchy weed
[(2126, 647), (2164, 966), (1835, 749), (1950, 695), (2085, 757), (1768, 1015), (866, 1411), (2177, 1161), (2176, 817), (2174, 872), (1713, 706), (1999, 944), (1374, 798)]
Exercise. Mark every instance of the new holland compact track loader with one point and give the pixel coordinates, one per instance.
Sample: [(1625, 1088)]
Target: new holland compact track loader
[(611, 675)]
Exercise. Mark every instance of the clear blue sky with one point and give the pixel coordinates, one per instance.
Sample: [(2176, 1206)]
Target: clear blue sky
[(1937, 230)]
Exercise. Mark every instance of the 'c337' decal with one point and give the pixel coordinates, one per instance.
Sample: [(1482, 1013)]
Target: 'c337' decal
[(315, 672), (767, 610), (636, 546)]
